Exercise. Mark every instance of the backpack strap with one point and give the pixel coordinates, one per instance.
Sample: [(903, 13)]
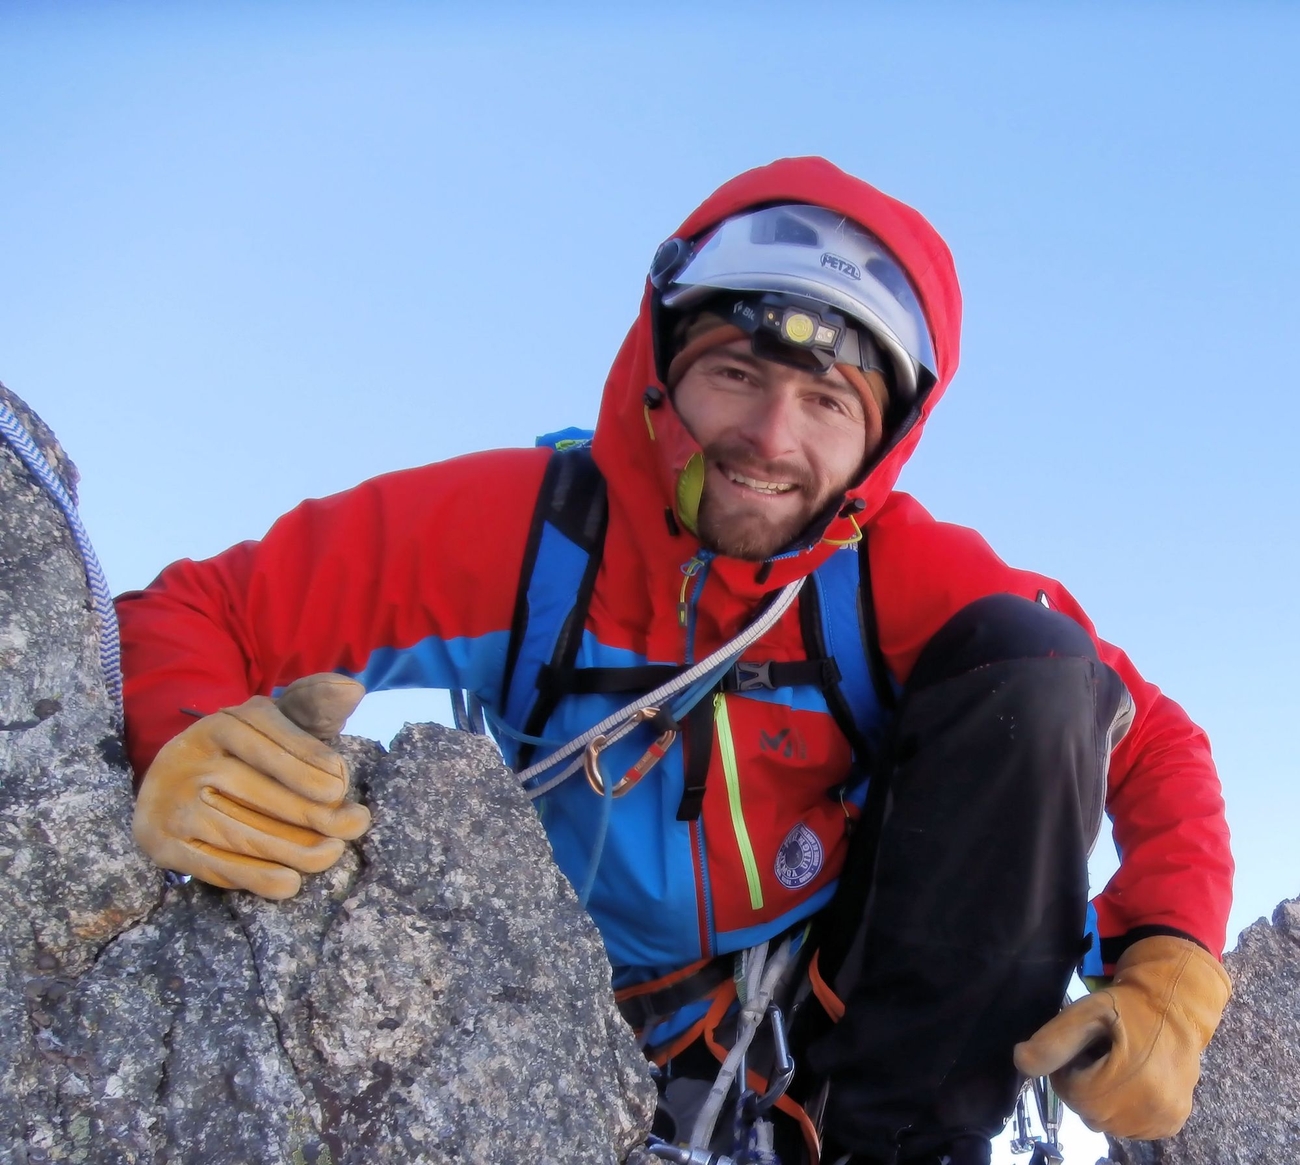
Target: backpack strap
[(887, 690), (837, 617), (818, 1006), (697, 750), (561, 560)]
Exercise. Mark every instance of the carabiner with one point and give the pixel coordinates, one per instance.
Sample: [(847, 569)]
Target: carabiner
[(666, 1152), (651, 757), (783, 1065)]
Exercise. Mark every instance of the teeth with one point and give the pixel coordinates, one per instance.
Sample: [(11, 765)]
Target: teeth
[(765, 487)]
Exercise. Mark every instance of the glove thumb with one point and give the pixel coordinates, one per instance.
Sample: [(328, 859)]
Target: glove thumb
[(320, 704), (1080, 1035)]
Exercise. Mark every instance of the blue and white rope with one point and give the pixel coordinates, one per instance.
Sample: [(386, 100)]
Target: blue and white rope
[(110, 651), (698, 678)]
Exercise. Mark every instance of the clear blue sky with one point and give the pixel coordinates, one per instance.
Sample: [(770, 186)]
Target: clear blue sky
[(257, 252)]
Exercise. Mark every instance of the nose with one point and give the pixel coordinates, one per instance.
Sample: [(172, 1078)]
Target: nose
[(771, 425)]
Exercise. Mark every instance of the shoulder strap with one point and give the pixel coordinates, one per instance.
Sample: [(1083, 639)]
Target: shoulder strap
[(837, 616), (886, 689), (561, 559)]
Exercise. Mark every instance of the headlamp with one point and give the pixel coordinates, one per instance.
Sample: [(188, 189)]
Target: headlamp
[(797, 327), (804, 333)]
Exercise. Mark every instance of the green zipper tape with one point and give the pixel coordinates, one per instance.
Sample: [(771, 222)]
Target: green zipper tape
[(728, 749)]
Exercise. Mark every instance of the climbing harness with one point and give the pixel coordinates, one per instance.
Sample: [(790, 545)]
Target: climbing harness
[(30, 455), (758, 978)]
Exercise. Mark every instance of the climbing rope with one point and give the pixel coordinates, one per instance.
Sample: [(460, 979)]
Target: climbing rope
[(110, 652), (759, 978), (695, 682)]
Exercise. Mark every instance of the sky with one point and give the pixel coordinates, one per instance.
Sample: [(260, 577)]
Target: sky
[(251, 253)]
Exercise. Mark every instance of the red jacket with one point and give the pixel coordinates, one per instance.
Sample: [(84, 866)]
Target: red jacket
[(410, 579)]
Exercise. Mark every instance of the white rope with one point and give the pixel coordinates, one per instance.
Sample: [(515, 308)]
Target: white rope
[(761, 977), (614, 728), (30, 455)]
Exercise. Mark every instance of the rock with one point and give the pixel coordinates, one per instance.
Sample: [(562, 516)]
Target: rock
[(1247, 1105), (437, 996), (65, 796), (70, 877)]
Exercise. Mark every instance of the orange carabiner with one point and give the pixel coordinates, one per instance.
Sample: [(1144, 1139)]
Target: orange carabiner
[(651, 757)]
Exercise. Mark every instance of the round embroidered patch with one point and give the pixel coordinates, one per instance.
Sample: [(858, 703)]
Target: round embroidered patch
[(800, 857)]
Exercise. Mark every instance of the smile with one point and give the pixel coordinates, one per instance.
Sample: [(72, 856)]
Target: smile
[(758, 485)]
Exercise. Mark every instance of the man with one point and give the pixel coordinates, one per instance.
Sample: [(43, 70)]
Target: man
[(941, 730)]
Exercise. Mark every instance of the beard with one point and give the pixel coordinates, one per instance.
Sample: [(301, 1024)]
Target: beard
[(754, 528)]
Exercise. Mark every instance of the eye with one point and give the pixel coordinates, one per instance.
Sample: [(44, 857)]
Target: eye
[(731, 372), (835, 406)]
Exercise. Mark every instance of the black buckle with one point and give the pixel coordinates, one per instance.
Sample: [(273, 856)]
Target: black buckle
[(664, 721), (751, 676)]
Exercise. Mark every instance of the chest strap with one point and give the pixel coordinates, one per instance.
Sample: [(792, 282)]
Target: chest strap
[(744, 676)]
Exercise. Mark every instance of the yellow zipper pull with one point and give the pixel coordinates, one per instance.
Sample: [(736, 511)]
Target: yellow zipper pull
[(689, 570)]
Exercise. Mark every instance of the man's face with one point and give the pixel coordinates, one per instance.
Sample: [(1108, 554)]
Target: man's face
[(779, 443)]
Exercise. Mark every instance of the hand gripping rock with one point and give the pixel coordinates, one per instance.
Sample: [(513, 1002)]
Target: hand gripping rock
[(253, 797)]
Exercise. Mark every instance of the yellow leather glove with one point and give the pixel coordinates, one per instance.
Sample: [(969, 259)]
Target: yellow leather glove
[(1127, 1057), (252, 797)]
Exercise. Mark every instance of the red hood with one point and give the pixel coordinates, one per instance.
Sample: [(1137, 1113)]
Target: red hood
[(638, 469)]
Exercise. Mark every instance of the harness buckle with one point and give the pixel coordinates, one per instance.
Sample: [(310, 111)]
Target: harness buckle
[(751, 676), (651, 757)]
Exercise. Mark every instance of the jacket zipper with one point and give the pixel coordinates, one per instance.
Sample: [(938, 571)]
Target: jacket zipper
[(697, 569), (708, 936), (727, 747)]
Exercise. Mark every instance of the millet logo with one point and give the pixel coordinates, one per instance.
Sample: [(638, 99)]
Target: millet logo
[(784, 743), (843, 266)]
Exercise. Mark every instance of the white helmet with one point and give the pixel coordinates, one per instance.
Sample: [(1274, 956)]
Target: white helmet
[(792, 259)]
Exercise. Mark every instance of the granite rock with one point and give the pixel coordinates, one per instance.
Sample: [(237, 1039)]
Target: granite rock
[(1247, 1105), (439, 995), (71, 879)]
